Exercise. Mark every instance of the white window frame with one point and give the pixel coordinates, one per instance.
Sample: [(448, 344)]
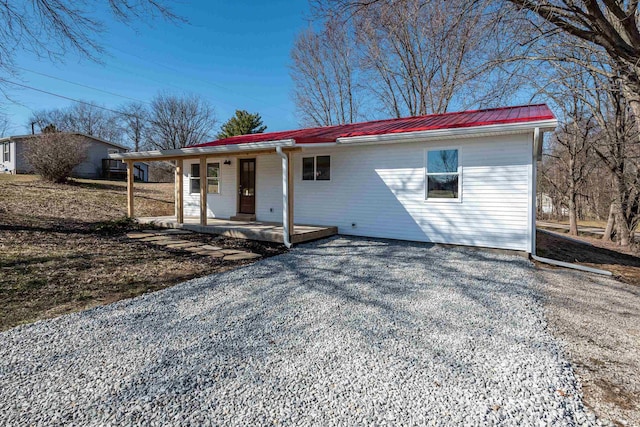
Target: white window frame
[(315, 168), (426, 175), (193, 178), (208, 178), (6, 152)]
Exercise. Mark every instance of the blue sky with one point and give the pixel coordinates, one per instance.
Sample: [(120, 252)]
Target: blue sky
[(234, 54)]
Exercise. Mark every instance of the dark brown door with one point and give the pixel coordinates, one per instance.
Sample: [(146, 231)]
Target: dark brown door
[(248, 186)]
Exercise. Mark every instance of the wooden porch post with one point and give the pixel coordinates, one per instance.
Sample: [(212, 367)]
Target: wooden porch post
[(203, 191), (130, 188), (179, 192), (290, 193)]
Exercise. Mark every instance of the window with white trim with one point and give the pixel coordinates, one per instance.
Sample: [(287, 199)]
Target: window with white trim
[(194, 178), (317, 168), (6, 153), (213, 178), (442, 175)]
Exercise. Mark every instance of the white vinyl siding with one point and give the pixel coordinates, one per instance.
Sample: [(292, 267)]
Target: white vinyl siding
[(221, 205), (381, 189), (8, 157), (269, 188)]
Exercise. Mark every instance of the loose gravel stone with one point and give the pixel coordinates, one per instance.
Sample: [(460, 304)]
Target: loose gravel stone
[(598, 320), (338, 332)]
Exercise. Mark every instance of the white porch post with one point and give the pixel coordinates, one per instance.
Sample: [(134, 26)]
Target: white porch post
[(203, 191), (130, 188), (290, 182), (179, 191), (287, 212)]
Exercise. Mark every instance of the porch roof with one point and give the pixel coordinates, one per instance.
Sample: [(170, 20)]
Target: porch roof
[(432, 126)]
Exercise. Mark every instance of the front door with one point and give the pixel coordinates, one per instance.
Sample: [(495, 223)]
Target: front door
[(247, 186)]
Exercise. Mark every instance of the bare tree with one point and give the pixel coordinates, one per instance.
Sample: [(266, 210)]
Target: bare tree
[(619, 150), (424, 56), (84, 117), (324, 73), (135, 123), (601, 88), (5, 124), (53, 28), (611, 27), (179, 121), (54, 155), (572, 157), (616, 143), (571, 154)]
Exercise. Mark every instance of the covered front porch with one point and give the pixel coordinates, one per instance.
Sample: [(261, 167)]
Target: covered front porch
[(252, 230), (203, 192)]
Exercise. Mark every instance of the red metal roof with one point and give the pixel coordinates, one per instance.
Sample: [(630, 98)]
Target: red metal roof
[(470, 118)]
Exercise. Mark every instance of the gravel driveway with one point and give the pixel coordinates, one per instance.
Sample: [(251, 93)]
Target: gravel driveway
[(340, 332)]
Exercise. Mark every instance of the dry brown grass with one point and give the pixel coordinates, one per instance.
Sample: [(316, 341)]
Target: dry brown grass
[(63, 247), (582, 222), (82, 199)]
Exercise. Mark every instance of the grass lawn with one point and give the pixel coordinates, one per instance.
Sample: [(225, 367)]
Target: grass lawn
[(63, 247)]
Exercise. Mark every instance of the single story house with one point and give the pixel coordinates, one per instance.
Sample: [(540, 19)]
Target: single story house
[(464, 178), (97, 164)]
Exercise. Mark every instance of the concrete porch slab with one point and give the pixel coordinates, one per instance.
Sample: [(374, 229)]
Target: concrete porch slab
[(252, 230)]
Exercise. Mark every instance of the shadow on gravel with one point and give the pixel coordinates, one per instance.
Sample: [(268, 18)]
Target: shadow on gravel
[(366, 297), (373, 313)]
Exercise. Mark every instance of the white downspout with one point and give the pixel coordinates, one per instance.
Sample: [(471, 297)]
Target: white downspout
[(537, 145), (285, 196), (569, 265)]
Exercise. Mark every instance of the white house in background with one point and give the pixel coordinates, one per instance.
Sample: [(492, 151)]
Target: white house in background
[(545, 206), (97, 165), (465, 178)]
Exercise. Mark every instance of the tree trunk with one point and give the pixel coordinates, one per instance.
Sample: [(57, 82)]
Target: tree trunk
[(573, 214), (631, 92), (611, 220), (622, 228)]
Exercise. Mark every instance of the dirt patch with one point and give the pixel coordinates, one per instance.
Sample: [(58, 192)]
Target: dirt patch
[(623, 263), (63, 248), (598, 319)]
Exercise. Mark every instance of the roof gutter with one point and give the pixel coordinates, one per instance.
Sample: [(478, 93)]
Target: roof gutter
[(507, 128)]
